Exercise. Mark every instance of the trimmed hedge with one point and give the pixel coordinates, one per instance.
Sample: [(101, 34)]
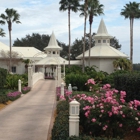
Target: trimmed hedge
[(129, 82), (60, 129), (78, 80), (3, 75), (3, 98)]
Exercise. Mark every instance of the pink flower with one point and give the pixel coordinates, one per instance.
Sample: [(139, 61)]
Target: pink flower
[(138, 129), (120, 125), (93, 120), (110, 114), (102, 111), (122, 100), (104, 128)]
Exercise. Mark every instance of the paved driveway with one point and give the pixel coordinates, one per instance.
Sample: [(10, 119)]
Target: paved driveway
[(28, 118)]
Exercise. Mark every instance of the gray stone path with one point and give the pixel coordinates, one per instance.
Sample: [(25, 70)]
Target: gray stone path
[(29, 117)]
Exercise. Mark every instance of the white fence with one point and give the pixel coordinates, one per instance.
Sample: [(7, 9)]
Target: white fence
[(37, 76)]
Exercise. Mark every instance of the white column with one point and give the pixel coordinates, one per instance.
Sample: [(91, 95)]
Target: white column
[(30, 75), (74, 118), (19, 85), (59, 76)]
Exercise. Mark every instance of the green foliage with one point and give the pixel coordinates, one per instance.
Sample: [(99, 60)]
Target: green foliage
[(3, 75), (80, 138), (78, 80), (3, 98), (62, 106), (102, 138), (128, 82), (12, 81), (73, 69), (109, 79), (136, 67), (60, 129)]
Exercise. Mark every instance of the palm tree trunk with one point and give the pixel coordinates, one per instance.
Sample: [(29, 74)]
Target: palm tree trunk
[(89, 44), (10, 51), (131, 42), (69, 33), (83, 68)]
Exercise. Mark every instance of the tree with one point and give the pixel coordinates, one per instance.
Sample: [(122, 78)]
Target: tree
[(70, 5), (94, 9), (115, 43), (10, 17), (35, 40), (77, 48), (132, 12), (26, 62), (122, 63), (2, 33), (83, 9)]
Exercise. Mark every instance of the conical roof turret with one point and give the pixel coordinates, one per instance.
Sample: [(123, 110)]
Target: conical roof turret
[(53, 45), (102, 31)]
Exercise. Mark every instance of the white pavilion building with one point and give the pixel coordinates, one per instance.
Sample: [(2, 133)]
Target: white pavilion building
[(102, 54)]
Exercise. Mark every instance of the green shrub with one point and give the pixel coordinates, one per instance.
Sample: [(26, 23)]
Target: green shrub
[(3, 98), (60, 129), (3, 75), (80, 138), (73, 69), (62, 106), (129, 82), (12, 81), (78, 80)]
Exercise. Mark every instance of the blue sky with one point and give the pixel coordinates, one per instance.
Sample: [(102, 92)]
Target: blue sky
[(43, 17)]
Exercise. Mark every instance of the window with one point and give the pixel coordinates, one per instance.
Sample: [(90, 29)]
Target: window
[(53, 52), (99, 41), (13, 69), (104, 41)]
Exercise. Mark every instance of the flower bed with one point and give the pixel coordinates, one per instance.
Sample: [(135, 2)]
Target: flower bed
[(13, 95), (105, 112), (25, 90)]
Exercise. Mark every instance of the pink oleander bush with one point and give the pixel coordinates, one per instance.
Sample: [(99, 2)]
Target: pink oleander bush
[(13, 95), (25, 90), (106, 113)]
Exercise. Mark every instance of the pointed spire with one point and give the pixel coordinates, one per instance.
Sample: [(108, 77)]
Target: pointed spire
[(102, 31), (53, 41), (53, 45)]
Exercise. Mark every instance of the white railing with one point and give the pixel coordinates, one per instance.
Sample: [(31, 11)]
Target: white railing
[(37, 76)]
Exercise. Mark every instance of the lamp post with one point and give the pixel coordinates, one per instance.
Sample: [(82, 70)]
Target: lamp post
[(74, 118)]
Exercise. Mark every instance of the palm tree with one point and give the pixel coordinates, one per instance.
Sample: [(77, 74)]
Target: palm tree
[(2, 33), (70, 5), (122, 63), (10, 17), (94, 9), (26, 62), (132, 12), (83, 9)]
